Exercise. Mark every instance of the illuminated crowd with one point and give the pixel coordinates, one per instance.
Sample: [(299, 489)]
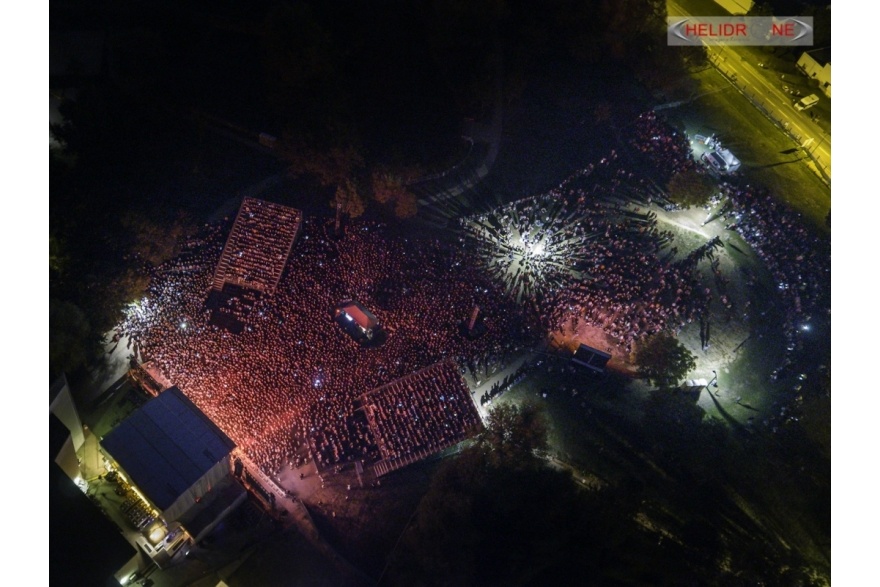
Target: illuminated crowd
[(285, 388), (429, 410), (667, 150), (257, 248), (289, 386), (798, 260), (589, 252)]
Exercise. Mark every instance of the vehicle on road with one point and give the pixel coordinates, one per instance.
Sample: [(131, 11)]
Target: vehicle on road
[(806, 102)]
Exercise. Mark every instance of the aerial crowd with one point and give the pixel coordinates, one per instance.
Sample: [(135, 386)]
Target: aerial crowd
[(286, 389), (290, 386), (590, 250)]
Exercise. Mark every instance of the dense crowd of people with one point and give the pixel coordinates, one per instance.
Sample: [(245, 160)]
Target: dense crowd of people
[(257, 248), (799, 261), (285, 388), (666, 150), (428, 410), (584, 252)]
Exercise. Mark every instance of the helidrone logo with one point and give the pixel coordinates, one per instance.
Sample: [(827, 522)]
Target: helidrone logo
[(740, 30)]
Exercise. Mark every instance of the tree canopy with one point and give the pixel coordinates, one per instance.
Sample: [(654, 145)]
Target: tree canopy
[(348, 199), (663, 361), (690, 188), (492, 515), (497, 514), (513, 434), (389, 189)]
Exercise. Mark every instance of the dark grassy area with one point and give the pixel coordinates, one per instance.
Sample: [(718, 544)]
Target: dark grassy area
[(364, 531), (745, 483)]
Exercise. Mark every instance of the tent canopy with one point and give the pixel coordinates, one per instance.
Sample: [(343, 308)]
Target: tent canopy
[(166, 446)]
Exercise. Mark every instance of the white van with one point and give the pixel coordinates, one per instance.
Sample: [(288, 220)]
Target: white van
[(806, 102)]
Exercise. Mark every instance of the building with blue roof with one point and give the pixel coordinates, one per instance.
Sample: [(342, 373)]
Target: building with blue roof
[(171, 451)]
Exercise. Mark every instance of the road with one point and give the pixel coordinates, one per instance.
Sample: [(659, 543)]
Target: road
[(765, 89)]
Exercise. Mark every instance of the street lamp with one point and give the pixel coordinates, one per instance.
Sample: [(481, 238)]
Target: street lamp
[(714, 382)]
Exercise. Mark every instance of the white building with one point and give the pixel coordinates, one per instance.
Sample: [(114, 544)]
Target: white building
[(816, 65)]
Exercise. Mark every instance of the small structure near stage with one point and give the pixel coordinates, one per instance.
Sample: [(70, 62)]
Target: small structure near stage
[(419, 415), (591, 358), (258, 246), (252, 261), (359, 323), (473, 327), (714, 156)]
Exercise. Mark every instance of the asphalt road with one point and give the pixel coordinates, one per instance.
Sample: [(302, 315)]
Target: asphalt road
[(766, 87)]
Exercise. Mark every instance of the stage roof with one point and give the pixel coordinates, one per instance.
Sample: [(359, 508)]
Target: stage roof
[(166, 446), (591, 358), (360, 314)]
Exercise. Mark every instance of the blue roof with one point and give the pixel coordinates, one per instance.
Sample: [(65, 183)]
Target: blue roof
[(166, 446)]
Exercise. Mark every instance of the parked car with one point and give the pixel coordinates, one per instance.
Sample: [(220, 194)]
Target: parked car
[(806, 102)]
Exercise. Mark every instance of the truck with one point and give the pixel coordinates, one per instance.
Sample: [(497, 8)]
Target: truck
[(806, 102)]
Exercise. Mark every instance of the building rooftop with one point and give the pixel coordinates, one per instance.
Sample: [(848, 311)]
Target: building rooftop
[(166, 446)]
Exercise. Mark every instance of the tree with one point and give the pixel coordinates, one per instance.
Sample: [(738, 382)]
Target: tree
[(513, 434), (155, 241), (690, 188), (491, 521), (694, 57), (384, 187), (488, 520), (348, 200), (330, 165), (388, 189), (461, 40), (58, 257), (602, 113), (303, 70), (69, 332), (761, 9), (407, 205), (663, 361), (821, 24)]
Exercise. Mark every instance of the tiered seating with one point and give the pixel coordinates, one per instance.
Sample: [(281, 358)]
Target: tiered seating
[(420, 414), (258, 246)]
